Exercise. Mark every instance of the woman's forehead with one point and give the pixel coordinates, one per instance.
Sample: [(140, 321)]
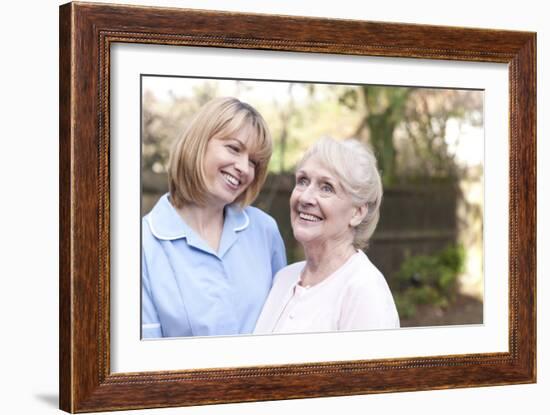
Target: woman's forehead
[(314, 166)]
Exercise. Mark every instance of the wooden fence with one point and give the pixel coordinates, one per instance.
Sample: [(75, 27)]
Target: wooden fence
[(415, 219)]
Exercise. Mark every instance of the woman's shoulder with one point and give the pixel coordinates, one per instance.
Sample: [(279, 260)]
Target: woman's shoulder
[(258, 214), (146, 229), (367, 300), (364, 273), (162, 222), (258, 217), (150, 242)]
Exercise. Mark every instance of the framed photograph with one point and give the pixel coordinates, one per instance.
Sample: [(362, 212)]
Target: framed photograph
[(447, 113)]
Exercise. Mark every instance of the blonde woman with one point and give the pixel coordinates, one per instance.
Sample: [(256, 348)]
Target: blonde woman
[(334, 209), (208, 258)]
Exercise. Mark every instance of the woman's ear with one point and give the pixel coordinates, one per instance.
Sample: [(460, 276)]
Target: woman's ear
[(358, 215)]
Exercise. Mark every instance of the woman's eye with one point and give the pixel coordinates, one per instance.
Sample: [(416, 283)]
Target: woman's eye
[(233, 148), (327, 188), (301, 181)]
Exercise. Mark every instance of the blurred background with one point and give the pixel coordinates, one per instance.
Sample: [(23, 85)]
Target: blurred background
[(429, 147)]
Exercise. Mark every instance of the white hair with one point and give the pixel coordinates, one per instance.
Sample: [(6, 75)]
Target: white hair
[(355, 166)]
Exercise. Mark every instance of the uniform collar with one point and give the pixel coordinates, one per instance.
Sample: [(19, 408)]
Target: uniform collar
[(167, 224)]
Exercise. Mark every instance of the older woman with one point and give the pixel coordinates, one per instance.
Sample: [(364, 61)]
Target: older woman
[(334, 209), (208, 259)]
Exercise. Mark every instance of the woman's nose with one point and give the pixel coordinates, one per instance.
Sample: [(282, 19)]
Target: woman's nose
[(241, 163), (307, 196)]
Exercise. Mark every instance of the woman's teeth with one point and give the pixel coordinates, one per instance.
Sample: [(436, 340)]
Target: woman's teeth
[(308, 217), (232, 180)]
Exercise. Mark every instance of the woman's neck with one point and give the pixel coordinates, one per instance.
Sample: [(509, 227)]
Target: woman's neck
[(323, 260), (206, 221)]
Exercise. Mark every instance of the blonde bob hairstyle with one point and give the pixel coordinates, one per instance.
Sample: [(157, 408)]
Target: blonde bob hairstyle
[(219, 118), (355, 167)]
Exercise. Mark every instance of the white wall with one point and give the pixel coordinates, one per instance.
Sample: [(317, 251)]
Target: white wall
[(29, 236)]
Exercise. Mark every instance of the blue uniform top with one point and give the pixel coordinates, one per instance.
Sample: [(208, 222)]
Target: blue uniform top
[(188, 289)]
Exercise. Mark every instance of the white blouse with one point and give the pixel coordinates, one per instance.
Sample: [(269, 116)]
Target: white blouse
[(354, 297)]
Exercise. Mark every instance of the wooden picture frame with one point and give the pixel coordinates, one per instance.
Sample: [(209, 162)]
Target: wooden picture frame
[(87, 32)]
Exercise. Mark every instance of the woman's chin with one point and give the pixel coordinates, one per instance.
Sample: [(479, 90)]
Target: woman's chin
[(226, 196), (304, 237)]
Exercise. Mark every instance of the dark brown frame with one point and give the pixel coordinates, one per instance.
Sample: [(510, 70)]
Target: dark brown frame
[(86, 33)]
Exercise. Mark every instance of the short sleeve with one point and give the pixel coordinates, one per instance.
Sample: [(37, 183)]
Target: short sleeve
[(150, 323)]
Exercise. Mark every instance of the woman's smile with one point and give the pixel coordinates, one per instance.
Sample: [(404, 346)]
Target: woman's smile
[(231, 180), (308, 217)]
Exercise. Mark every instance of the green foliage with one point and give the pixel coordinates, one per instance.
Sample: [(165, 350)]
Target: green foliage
[(405, 126), (428, 279)]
